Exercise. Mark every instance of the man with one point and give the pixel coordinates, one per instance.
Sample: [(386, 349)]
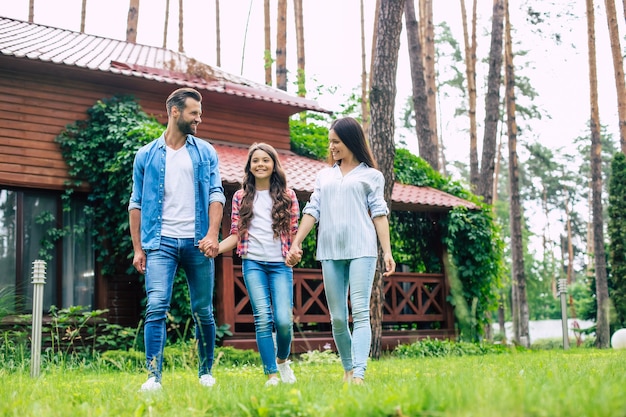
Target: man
[(175, 212)]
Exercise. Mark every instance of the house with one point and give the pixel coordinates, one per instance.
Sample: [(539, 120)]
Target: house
[(49, 77)]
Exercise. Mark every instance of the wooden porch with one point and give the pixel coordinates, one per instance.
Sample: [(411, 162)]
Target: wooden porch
[(415, 307)]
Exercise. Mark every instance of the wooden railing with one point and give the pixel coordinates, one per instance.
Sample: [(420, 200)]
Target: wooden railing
[(415, 305)]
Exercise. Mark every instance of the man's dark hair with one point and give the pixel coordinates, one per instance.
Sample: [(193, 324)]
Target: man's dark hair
[(178, 98)]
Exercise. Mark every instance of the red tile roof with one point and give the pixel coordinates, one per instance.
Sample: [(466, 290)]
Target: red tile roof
[(301, 174), (21, 39)]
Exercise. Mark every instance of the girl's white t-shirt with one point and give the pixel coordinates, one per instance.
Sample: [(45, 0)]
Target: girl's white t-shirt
[(262, 246)]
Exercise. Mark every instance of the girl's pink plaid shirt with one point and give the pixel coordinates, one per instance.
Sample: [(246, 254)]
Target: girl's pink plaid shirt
[(285, 239)]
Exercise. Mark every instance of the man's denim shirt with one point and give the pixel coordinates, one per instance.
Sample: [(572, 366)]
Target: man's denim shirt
[(149, 187)]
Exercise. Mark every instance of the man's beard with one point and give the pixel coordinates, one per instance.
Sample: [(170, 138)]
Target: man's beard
[(186, 127)]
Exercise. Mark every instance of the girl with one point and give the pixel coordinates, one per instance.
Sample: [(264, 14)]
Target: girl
[(264, 219), (349, 205)]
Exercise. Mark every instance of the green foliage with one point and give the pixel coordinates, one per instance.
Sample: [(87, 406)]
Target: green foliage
[(227, 356), (471, 237), (308, 139), (473, 242), (414, 237), (180, 355), (435, 348), (99, 152), (79, 331), (617, 236)]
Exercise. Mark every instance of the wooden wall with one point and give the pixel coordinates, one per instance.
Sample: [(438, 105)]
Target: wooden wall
[(37, 102)]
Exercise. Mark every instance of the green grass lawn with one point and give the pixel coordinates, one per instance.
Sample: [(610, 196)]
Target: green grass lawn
[(579, 382)]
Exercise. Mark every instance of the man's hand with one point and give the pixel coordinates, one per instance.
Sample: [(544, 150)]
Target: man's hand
[(209, 246), (139, 261)]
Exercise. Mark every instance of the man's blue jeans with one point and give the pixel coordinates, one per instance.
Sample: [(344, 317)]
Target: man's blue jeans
[(357, 275), (270, 287), (161, 266)]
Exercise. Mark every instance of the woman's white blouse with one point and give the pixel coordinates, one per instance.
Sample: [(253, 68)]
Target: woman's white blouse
[(344, 207)]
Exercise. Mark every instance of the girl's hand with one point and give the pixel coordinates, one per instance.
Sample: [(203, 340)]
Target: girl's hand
[(293, 256)]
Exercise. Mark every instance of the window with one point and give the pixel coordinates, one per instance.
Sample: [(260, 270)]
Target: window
[(25, 217)]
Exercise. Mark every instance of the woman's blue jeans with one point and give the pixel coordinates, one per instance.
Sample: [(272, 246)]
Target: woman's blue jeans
[(270, 288), (353, 276), (161, 266)]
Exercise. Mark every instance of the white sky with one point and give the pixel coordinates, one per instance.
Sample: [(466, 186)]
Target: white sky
[(333, 53)]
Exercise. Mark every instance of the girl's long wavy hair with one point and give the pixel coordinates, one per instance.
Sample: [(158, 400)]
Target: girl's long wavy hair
[(281, 213)]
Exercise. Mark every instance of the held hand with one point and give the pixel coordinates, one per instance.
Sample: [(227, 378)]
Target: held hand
[(293, 256), (139, 261), (209, 246), (390, 265)]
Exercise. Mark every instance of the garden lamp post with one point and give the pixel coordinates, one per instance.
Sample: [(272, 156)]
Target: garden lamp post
[(39, 280), (562, 287)]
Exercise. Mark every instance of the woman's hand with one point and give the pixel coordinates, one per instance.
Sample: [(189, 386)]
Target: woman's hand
[(390, 265)]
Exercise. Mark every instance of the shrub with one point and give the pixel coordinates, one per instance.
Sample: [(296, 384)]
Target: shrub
[(429, 348)]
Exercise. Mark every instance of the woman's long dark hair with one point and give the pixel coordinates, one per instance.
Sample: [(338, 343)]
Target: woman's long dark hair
[(351, 134), (281, 213)]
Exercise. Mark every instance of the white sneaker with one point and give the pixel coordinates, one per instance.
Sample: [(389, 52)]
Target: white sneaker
[(207, 380), (272, 382), (286, 374), (150, 385)]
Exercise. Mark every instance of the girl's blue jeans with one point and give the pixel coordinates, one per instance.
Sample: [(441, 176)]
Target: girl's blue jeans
[(161, 266), (353, 276), (270, 288)]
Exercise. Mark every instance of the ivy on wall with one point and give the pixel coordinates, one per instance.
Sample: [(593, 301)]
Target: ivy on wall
[(99, 152)]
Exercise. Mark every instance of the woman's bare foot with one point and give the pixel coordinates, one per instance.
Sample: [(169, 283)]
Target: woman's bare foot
[(357, 381), (347, 376)]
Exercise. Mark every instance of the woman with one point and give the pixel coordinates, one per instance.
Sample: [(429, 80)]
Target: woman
[(264, 219), (349, 206)]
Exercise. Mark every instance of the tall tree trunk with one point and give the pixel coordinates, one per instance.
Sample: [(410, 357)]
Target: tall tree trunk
[(31, 11), (218, 35), (83, 15), (372, 61), (267, 56), (364, 84), (602, 290), (181, 20), (502, 298), (281, 46), (492, 104), (618, 68), (297, 8), (382, 127), (515, 206), (470, 71), (428, 148), (167, 20), (133, 20), (430, 75)]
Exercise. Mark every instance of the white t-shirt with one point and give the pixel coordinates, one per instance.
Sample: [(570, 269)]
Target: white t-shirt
[(262, 246), (179, 208)]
